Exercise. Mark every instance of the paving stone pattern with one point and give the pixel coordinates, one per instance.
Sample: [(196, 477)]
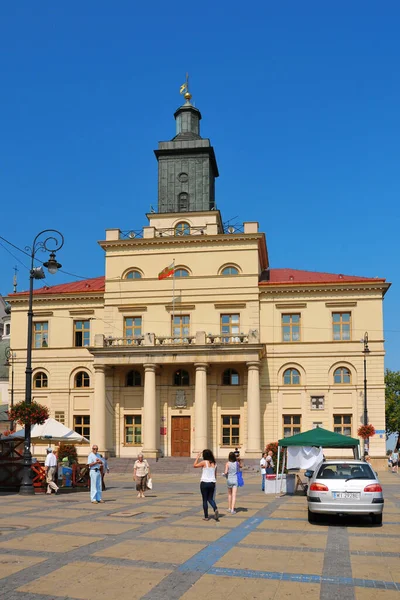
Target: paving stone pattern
[(159, 548)]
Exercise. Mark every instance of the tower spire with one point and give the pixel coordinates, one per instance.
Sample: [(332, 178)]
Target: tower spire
[(184, 89)]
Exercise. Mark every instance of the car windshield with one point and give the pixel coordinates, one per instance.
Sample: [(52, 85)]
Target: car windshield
[(345, 471)]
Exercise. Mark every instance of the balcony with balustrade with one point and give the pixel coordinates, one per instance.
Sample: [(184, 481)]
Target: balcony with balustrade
[(185, 349)]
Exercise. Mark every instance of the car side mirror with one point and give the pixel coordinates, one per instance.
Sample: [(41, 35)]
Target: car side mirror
[(309, 473)]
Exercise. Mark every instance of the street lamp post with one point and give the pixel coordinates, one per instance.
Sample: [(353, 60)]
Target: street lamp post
[(52, 242), (10, 357), (366, 351)]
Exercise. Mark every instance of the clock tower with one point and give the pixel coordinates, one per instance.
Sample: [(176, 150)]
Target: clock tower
[(187, 166)]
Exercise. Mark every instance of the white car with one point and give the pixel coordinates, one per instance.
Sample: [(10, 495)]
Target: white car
[(344, 487)]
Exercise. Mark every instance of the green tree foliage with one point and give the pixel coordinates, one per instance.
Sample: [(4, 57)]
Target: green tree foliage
[(392, 401)]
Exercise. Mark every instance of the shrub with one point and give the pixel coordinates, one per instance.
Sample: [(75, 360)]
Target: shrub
[(274, 447), (68, 450)]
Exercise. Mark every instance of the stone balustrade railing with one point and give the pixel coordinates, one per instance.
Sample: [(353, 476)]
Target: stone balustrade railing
[(200, 339)]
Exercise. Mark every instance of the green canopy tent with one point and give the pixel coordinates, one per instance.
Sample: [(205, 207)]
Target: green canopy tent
[(318, 437)]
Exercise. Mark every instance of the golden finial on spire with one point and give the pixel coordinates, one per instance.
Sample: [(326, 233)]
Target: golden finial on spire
[(184, 89)]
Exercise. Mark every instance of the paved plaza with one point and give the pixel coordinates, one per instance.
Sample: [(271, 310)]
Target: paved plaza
[(159, 548)]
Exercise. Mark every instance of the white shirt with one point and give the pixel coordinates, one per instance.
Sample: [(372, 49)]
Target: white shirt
[(263, 463), (208, 473), (91, 459), (51, 460)]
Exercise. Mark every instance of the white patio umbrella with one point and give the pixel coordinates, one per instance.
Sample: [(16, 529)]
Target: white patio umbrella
[(51, 431)]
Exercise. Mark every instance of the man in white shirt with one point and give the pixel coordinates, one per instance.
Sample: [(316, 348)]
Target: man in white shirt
[(263, 464), (51, 469), (95, 465)]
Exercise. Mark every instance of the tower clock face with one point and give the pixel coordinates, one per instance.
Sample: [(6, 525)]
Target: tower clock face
[(183, 177)]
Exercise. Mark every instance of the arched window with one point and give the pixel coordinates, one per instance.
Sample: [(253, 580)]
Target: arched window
[(230, 377), (183, 204), (291, 377), (40, 380), (181, 377), (182, 228), (342, 375), (82, 379), (230, 271), (181, 273), (133, 379), (134, 274)]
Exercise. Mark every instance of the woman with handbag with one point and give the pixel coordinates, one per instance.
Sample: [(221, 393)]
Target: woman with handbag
[(141, 471), (231, 474)]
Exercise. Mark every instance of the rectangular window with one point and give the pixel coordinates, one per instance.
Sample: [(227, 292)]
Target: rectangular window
[(82, 425), (81, 333), (41, 334), (132, 328), (180, 326), (230, 430), (59, 416), (230, 326), (133, 430), (341, 326), (291, 328), (291, 425), (342, 424)]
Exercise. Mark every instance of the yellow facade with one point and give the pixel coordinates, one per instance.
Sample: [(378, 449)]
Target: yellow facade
[(259, 322)]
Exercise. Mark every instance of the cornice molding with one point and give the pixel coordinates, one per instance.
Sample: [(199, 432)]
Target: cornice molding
[(132, 308), (179, 307), (228, 304), (305, 288), (221, 238), (88, 296)]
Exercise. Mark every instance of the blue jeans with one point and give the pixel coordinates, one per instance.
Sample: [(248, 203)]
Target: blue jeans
[(263, 482), (207, 491), (95, 485)]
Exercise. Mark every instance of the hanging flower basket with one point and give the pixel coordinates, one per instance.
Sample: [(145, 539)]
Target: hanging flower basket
[(29, 414), (366, 431)]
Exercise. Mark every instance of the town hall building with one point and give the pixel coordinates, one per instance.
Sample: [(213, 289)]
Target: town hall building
[(192, 340)]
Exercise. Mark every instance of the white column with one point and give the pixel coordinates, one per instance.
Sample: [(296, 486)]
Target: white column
[(253, 409), (98, 416), (200, 408), (150, 411)]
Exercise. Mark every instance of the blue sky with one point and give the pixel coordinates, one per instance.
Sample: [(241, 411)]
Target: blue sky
[(300, 100)]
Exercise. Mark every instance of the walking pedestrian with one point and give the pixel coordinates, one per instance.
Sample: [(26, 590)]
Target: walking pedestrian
[(237, 455), (104, 469), (269, 467), (231, 469), (141, 471), (395, 462), (263, 465), (94, 463), (51, 469), (207, 481), (390, 459)]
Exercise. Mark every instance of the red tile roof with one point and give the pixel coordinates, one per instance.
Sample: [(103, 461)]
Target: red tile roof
[(276, 276), (296, 276), (76, 287)]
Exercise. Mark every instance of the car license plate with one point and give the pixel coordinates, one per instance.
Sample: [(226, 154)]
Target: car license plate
[(346, 495)]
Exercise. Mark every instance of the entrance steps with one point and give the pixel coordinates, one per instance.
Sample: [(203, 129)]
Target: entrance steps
[(169, 465)]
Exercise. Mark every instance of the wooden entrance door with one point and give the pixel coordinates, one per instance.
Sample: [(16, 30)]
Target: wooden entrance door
[(180, 442)]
